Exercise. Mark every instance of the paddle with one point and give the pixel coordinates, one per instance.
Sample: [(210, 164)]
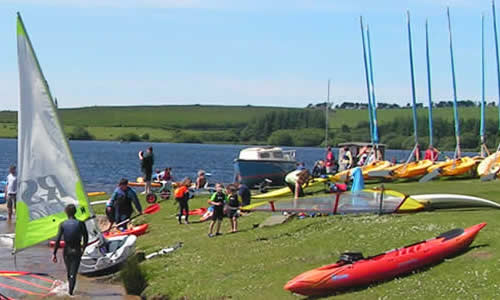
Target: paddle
[(152, 209), (430, 176)]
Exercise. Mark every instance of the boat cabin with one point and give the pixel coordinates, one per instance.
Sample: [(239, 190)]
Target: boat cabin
[(267, 153)]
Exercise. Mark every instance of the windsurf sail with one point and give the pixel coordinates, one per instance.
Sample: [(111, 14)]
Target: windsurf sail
[(48, 177), (429, 86), (367, 77), (365, 201), (454, 85), (413, 93)]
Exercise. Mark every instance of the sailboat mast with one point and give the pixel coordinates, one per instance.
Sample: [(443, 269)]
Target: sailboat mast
[(326, 114), (455, 110), (367, 76), (413, 93), (429, 88), (482, 89), (372, 89), (497, 57)]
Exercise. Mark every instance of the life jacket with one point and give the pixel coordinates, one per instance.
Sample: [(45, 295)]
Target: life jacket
[(233, 201), (180, 192)]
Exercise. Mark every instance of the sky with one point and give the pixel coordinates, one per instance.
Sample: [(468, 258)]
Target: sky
[(239, 52)]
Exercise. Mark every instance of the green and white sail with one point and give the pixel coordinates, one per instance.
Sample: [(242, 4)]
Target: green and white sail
[(48, 177)]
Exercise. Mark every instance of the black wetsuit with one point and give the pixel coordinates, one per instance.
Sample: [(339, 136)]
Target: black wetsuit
[(73, 232), (234, 204), (218, 197)]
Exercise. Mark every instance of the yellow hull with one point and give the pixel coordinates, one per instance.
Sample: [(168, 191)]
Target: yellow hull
[(489, 165), (413, 169), (454, 167), (374, 166)]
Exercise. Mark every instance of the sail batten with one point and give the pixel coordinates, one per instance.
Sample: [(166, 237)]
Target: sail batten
[(48, 177)]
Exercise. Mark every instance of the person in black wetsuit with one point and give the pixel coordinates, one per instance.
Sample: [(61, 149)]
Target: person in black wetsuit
[(218, 200), (233, 206), (73, 231), (121, 201)]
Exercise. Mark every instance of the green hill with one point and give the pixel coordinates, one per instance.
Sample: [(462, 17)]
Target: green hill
[(225, 124)]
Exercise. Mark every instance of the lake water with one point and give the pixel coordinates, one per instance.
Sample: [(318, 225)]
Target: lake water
[(102, 163)]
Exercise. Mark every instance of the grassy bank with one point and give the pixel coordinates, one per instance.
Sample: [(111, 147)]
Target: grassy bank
[(255, 263)]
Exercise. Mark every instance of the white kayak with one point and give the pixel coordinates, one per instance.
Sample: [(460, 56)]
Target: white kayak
[(453, 201), (119, 248)]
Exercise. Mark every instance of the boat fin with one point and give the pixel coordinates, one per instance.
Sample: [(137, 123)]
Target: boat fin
[(430, 176)]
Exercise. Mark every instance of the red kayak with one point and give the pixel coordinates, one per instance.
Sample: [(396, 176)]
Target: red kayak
[(136, 230), (355, 271)]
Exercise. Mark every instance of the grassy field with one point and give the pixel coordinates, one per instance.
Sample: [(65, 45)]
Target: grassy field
[(203, 117), (256, 262)]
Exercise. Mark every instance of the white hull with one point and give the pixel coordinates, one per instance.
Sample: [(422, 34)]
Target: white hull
[(453, 201), (94, 262)]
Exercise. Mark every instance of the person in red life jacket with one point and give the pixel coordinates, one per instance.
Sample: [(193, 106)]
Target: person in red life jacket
[(182, 196), (330, 161), (431, 153)]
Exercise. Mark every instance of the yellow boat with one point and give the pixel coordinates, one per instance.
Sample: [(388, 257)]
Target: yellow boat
[(412, 169), (489, 165), (286, 190), (371, 167), (454, 167)]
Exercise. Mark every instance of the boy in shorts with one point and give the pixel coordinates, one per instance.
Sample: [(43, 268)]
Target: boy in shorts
[(233, 206), (218, 199)]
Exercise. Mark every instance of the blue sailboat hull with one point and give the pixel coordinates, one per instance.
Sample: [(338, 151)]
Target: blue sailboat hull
[(254, 172)]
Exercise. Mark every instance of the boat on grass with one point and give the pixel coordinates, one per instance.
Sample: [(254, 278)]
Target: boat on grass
[(352, 270)]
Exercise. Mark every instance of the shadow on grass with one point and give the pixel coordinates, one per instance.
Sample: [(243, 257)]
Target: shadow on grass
[(416, 271)]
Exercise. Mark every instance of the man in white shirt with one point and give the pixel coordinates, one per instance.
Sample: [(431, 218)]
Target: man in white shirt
[(11, 190)]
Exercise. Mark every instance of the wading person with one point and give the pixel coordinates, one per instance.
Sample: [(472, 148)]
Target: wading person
[(218, 199), (121, 202), (147, 161), (11, 191), (76, 238)]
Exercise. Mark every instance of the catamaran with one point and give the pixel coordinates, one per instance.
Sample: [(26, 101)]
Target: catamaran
[(49, 179)]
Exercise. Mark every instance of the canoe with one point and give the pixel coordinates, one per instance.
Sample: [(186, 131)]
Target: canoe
[(454, 167), (489, 165), (375, 166), (438, 201), (412, 169), (349, 273), (136, 230), (94, 194), (94, 262), (365, 201), (17, 285)]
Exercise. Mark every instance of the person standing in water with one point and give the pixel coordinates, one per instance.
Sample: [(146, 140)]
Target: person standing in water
[(11, 191), (76, 239), (147, 161)]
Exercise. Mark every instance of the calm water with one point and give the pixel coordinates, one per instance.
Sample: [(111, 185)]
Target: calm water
[(102, 164)]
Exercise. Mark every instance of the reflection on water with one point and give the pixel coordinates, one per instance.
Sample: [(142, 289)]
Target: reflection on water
[(37, 259)]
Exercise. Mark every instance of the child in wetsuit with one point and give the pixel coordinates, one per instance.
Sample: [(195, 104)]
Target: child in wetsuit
[(233, 206), (182, 196), (218, 199)]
